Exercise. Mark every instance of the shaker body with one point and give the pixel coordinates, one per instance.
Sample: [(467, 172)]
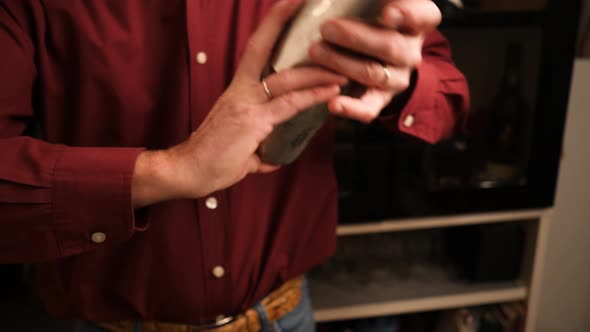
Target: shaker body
[(290, 138)]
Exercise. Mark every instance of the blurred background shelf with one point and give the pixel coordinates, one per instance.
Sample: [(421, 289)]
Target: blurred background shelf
[(396, 225), (332, 302)]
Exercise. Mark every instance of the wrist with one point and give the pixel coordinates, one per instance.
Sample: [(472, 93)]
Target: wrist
[(155, 179)]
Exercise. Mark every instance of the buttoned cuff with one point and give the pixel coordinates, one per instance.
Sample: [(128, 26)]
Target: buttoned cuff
[(419, 116), (92, 203)]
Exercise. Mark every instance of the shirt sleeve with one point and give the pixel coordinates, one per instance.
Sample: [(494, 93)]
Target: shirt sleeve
[(437, 103), (55, 200)]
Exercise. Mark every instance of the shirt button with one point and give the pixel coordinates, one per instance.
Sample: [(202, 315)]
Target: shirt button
[(98, 237), (211, 203), (201, 58), (218, 271), (409, 121)]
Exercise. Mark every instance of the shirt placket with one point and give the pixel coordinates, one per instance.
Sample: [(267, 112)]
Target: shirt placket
[(213, 209)]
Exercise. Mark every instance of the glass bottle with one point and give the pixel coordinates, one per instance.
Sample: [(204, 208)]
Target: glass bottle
[(508, 120)]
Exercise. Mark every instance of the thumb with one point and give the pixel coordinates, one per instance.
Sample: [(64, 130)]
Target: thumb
[(412, 16), (255, 165), (267, 168)]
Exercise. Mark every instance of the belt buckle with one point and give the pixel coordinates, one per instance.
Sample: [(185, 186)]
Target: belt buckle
[(219, 322)]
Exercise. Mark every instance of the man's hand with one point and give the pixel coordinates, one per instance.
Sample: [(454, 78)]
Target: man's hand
[(222, 151), (384, 58)]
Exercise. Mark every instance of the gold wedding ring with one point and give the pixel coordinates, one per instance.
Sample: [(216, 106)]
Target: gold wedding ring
[(266, 89)]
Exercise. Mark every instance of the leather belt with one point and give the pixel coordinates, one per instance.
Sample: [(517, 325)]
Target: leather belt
[(276, 305)]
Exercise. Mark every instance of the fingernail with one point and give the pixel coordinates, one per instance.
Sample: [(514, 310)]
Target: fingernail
[(330, 32), (317, 51), (393, 16)]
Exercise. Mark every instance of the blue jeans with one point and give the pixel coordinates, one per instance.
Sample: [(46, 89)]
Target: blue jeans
[(300, 319)]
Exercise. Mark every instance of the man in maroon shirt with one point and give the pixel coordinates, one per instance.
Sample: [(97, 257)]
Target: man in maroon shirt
[(145, 202)]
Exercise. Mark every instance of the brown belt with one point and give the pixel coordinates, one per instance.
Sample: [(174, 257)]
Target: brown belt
[(276, 305)]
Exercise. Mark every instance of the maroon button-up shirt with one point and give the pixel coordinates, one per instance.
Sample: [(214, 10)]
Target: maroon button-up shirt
[(106, 79)]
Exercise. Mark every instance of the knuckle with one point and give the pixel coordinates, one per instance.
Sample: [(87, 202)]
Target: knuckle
[(404, 50), (392, 48), (254, 47), (252, 113), (251, 45), (246, 113), (411, 18), (226, 104)]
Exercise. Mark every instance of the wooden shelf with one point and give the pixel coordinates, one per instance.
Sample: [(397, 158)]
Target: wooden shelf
[(332, 303), (397, 225)]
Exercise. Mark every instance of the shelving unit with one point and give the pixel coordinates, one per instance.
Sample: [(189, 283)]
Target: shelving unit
[(339, 300), (409, 297)]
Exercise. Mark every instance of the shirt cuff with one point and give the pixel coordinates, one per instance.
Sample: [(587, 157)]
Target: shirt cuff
[(92, 203), (418, 117)]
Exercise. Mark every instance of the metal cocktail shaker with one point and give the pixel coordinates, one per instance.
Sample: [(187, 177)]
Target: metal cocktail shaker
[(290, 138)]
